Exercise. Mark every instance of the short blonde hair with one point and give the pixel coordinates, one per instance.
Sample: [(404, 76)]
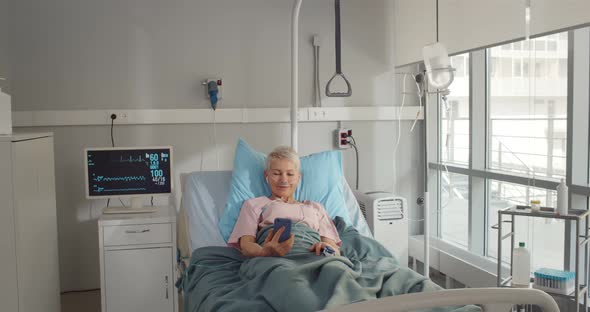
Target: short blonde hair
[(283, 152)]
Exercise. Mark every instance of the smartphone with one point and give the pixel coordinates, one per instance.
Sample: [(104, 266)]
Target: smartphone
[(286, 223)]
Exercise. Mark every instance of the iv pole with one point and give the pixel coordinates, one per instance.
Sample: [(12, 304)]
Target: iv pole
[(426, 200), (295, 73)]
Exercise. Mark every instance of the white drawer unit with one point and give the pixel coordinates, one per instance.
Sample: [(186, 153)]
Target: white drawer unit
[(137, 261), (137, 234)]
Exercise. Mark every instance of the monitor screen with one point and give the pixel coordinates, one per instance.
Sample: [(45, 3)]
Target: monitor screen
[(128, 171)]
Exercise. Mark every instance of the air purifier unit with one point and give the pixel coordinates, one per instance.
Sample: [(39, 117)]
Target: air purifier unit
[(387, 217)]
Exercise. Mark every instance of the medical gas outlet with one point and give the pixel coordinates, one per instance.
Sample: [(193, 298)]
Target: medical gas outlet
[(213, 90)]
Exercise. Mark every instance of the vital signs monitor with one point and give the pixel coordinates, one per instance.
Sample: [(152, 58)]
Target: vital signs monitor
[(130, 172)]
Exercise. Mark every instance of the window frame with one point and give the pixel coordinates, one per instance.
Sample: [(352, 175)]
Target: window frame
[(578, 142)]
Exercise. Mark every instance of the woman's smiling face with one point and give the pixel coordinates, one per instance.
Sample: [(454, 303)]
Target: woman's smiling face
[(282, 177)]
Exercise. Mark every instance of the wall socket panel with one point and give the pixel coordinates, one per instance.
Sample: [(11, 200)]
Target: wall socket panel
[(122, 117), (341, 138)]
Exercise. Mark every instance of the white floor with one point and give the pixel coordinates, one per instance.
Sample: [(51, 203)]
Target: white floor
[(82, 301)]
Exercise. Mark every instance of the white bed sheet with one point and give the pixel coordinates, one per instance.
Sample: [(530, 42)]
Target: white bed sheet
[(203, 200)]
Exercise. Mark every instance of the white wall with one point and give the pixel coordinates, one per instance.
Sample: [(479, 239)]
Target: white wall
[(84, 54), (154, 54), (3, 41)]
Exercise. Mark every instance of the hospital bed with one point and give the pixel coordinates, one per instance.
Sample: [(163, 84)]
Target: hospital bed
[(203, 201)]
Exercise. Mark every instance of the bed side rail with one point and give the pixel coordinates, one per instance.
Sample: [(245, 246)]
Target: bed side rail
[(492, 299)]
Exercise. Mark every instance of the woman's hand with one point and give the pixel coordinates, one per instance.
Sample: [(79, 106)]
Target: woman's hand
[(272, 247), (318, 247)]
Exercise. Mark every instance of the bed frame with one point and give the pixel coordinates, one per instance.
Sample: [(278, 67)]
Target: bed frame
[(491, 299)]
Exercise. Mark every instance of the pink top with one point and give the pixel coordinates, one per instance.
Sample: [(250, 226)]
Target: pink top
[(262, 211)]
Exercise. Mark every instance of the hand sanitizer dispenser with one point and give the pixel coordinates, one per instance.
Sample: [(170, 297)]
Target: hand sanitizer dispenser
[(5, 114)]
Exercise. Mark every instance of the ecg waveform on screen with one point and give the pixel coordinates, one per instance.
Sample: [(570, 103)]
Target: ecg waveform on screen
[(99, 189), (118, 179)]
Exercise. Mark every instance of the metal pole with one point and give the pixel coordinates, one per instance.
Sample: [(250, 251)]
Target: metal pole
[(586, 264), (499, 277), (426, 194), (512, 239), (295, 73), (426, 236), (577, 293)]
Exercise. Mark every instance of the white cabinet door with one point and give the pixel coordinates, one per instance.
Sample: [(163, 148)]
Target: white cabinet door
[(36, 225), (139, 280), (9, 285)]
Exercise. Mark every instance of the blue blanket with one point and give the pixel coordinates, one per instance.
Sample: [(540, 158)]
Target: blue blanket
[(221, 279)]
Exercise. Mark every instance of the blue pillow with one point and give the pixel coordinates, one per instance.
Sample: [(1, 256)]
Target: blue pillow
[(321, 182)]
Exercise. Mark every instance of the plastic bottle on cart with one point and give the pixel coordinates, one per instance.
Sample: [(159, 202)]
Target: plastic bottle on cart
[(521, 266), (562, 198), (535, 205)]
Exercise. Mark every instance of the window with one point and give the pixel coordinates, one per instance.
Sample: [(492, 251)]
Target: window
[(540, 68), (455, 207), (562, 36), (525, 67), (494, 64), (506, 67), (552, 68), (521, 138), (458, 63), (517, 72), (562, 70), (524, 98), (454, 147), (525, 45), (527, 121)]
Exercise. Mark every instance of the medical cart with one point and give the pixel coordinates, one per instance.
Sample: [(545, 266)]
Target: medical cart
[(582, 238)]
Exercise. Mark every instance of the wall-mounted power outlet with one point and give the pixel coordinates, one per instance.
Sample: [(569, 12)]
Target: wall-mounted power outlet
[(342, 137), (121, 117), (317, 114)]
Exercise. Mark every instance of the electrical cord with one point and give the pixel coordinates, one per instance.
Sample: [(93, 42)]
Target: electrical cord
[(399, 131), (113, 117), (357, 160), (215, 138), (417, 79)]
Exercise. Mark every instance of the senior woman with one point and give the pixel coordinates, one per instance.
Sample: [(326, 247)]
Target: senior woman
[(282, 175)]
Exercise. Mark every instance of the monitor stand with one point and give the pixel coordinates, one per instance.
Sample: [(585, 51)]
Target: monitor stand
[(136, 207)]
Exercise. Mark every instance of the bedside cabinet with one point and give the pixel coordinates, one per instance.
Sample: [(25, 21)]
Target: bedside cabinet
[(137, 261)]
